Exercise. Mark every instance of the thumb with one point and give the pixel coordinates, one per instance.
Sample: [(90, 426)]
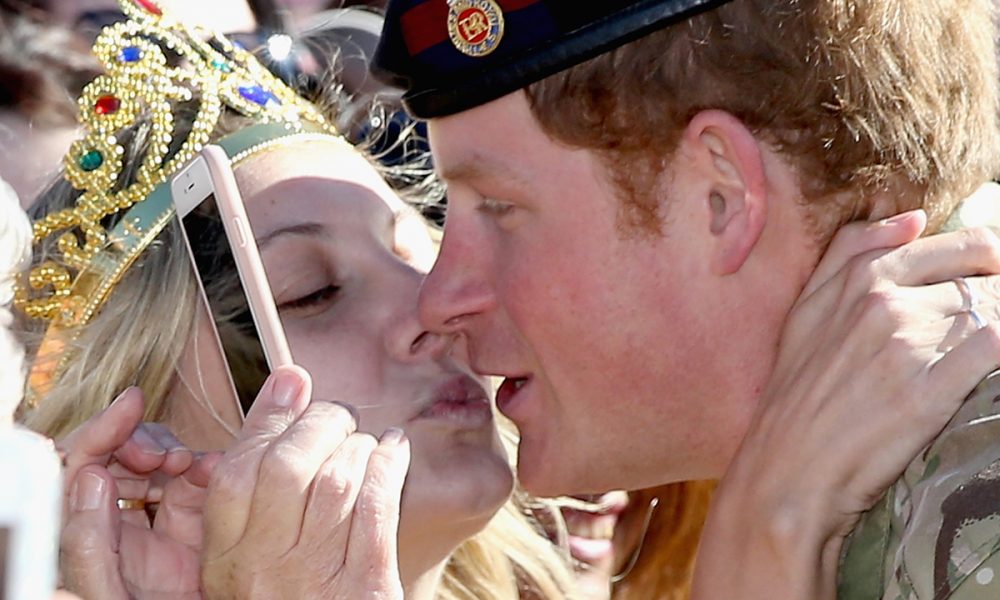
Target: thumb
[(281, 400), (855, 239), (91, 535)]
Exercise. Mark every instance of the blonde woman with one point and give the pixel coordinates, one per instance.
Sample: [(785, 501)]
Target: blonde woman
[(346, 299)]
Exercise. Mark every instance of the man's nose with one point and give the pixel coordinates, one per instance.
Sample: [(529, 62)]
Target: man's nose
[(407, 340), (458, 288)]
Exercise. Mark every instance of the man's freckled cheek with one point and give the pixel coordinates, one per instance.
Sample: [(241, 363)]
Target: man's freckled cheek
[(545, 288)]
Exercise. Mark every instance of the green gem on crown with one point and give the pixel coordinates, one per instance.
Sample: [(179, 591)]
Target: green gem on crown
[(220, 65), (91, 161)]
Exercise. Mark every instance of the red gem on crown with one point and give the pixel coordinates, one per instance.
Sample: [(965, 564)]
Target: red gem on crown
[(149, 7), (107, 105)]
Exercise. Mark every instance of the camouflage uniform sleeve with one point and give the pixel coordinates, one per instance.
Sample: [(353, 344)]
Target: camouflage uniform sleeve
[(936, 534)]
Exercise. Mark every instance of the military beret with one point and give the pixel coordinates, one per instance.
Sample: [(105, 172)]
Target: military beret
[(452, 55)]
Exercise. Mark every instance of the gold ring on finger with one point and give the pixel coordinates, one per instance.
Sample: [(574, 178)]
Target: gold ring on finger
[(131, 504)]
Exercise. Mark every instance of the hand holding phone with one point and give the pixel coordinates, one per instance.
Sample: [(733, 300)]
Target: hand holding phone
[(229, 269)]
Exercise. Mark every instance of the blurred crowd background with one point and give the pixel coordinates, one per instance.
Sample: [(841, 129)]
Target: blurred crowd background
[(45, 61)]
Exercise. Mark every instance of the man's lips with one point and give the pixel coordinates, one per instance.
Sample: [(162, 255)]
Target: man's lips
[(459, 401), (508, 392)]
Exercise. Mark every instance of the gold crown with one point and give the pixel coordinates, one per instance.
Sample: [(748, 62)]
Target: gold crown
[(154, 65)]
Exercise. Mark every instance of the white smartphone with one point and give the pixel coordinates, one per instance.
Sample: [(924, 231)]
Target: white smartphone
[(227, 262), (30, 507)]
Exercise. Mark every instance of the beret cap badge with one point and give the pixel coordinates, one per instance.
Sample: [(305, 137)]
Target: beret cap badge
[(475, 26)]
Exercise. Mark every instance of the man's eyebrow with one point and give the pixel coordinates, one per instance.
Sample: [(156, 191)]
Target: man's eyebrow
[(300, 229), (467, 169), (476, 168)]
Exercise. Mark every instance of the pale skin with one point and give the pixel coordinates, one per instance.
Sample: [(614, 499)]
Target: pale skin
[(853, 289), (538, 276), (318, 466)]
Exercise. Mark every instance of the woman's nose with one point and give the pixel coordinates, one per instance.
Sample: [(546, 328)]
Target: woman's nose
[(410, 342), (407, 340)]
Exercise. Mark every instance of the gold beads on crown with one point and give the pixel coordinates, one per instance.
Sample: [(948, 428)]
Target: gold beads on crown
[(205, 73)]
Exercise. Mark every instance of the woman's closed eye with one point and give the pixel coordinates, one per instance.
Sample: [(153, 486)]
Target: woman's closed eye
[(495, 208), (312, 303)]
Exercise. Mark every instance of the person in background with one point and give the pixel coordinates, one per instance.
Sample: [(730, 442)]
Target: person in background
[(89, 16), (637, 545), (45, 61), (43, 68)]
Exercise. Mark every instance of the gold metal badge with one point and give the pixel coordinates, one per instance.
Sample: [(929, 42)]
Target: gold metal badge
[(475, 26)]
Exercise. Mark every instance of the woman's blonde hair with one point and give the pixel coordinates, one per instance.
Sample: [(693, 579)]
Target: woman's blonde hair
[(137, 338), (140, 333)]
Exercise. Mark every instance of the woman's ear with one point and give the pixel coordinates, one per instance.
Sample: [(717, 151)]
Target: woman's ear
[(728, 157)]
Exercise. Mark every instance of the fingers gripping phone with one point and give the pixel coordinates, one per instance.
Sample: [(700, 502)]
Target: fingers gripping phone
[(230, 272)]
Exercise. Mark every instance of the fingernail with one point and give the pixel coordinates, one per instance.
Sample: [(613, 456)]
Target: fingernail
[(120, 396), (287, 387), (392, 436), (894, 220), (900, 218), (148, 444), (88, 492)]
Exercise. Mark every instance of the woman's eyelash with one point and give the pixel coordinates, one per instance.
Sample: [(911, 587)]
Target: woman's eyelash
[(320, 296)]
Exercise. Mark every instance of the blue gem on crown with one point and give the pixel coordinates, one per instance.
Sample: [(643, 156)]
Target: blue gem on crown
[(130, 54), (258, 95)]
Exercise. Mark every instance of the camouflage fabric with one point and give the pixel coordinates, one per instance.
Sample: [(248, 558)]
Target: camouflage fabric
[(936, 534)]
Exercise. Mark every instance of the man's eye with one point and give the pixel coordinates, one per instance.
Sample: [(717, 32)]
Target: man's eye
[(318, 299), (495, 208)]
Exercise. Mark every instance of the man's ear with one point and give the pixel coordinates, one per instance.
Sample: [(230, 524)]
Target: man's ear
[(733, 189)]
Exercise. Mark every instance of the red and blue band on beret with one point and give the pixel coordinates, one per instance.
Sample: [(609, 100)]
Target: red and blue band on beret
[(452, 55)]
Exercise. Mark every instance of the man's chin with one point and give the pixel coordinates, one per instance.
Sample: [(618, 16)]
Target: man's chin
[(538, 475), (552, 471), (546, 475)]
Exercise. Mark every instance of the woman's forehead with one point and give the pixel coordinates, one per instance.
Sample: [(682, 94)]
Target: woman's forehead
[(328, 182), (316, 164)]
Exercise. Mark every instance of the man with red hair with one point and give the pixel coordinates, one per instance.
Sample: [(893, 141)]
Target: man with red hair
[(639, 192)]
